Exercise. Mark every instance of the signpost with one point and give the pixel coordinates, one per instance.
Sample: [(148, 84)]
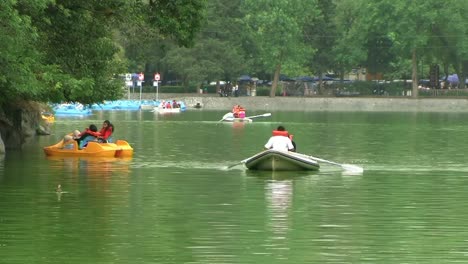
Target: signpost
[(128, 83), (141, 79), (157, 78)]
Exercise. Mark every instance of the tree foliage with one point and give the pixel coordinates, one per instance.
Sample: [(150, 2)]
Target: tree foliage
[(278, 29), (66, 50)]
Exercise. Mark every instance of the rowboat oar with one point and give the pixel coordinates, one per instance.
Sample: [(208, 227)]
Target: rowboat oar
[(238, 163), (226, 116), (347, 167), (266, 114)]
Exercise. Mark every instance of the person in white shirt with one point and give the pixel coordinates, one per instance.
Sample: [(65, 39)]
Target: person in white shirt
[(280, 140)]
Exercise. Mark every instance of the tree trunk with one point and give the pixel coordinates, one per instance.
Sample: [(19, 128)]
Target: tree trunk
[(321, 84), (463, 74), (275, 80), (415, 74)]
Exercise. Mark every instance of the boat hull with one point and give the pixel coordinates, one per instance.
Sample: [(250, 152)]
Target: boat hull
[(168, 110), (119, 149), (273, 160), (245, 120)]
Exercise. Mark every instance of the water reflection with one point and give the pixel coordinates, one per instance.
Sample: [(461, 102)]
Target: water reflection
[(2, 165), (279, 200), (90, 166), (278, 189)]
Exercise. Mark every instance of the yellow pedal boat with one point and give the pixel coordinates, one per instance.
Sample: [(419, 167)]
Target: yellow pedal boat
[(119, 149), (48, 117)]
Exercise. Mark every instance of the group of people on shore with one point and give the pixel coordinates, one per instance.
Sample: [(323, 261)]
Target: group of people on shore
[(91, 133)]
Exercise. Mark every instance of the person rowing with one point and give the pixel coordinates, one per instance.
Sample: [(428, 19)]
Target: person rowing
[(281, 140), (238, 111)]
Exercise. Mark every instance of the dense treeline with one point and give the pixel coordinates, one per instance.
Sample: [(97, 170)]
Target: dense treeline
[(72, 50)]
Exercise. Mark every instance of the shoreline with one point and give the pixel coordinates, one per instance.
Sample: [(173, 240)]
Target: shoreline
[(383, 104)]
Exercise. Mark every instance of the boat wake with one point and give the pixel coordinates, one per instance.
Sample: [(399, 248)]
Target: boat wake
[(416, 168), (175, 164)]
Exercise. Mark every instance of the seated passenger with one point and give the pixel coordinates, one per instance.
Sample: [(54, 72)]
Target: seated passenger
[(281, 140), (235, 111), (238, 111), (89, 134), (104, 135)]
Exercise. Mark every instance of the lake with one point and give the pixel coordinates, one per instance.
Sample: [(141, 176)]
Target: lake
[(175, 201)]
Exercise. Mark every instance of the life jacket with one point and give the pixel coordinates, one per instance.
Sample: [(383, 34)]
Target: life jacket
[(282, 133)]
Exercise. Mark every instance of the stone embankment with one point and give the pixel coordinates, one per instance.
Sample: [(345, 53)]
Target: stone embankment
[(381, 104)]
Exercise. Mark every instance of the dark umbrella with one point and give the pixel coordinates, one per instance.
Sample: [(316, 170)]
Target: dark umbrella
[(245, 78), (305, 79), (285, 78), (453, 78), (324, 78)]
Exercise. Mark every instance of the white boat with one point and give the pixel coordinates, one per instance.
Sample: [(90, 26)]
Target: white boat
[(274, 160), (159, 108), (229, 117), (166, 110)]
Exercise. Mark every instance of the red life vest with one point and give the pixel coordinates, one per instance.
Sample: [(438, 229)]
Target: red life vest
[(282, 133)]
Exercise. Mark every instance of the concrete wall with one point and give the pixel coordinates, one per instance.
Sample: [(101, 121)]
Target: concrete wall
[(383, 104)]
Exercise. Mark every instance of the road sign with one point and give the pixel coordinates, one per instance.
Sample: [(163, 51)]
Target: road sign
[(128, 77), (157, 76), (141, 76)]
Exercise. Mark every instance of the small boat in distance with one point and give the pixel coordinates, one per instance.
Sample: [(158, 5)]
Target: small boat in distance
[(229, 117), (75, 109), (170, 107), (168, 110), (48, 117), (274, 160)]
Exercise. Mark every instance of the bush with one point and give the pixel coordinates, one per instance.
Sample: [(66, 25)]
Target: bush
[(263, 91)]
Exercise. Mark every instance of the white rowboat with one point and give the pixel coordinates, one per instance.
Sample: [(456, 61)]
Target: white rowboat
[(274, 160)]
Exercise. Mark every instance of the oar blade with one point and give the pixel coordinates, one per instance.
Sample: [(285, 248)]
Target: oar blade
[(234, 165), (262, 115), (352, 168)]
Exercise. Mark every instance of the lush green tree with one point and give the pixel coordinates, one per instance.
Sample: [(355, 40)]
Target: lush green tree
[(349, 50), (277, 27), (76, 37), (449, 38), (68, 50), (156, 26), (408, 26), (21, 65), (320, 33)]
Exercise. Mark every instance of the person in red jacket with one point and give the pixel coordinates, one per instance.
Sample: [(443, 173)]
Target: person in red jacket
[(281, 140), (106, 132)]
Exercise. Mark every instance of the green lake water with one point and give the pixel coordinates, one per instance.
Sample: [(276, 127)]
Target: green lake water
[(175, 201)]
